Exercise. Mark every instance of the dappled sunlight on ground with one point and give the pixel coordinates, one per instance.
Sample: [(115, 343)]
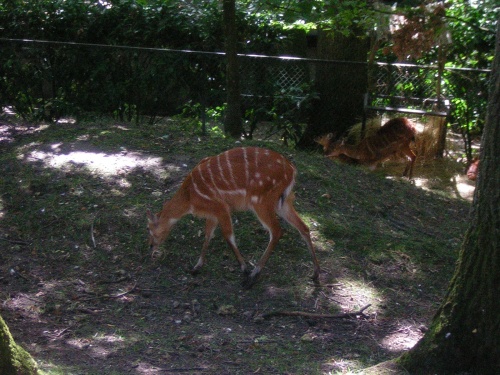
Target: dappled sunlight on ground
[(353, 295), (96, 162), (404, 338), (459, 186), (444, 176)]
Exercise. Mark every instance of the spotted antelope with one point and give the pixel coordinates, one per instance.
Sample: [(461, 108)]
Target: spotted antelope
[(240, 179)]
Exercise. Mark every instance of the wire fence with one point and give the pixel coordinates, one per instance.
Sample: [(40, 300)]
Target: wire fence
[(54, 79)]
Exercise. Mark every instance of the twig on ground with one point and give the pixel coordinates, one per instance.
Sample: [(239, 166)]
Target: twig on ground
[(111, 295), (317, 316), (92, 232), (13, 241), (123, 293)]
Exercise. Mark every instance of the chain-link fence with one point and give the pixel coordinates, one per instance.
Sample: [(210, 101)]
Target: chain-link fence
[(50, 80)]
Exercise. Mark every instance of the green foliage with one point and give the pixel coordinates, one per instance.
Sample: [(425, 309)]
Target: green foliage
[(290, 112), (345, 17), (196, 118), (471, 27), (49, 81)]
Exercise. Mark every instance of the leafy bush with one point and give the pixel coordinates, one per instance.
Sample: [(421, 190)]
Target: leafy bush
[(50, 80)]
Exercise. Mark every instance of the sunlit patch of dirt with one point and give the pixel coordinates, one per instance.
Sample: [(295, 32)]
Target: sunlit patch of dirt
[(403, 338), (445, 175)]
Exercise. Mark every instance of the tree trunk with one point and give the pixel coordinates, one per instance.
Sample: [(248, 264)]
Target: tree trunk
[(233, 125), (340, 87), (14, 360), (465, 333)]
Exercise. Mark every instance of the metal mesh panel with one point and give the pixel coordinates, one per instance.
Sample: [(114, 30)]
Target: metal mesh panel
[(148, 82), (405, 86)]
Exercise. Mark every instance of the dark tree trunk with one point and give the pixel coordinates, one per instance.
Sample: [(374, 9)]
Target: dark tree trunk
[(233, 125), (465, 333), (340, 89), (14, 360)]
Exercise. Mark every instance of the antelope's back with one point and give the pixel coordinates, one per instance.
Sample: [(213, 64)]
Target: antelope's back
[(398, 128), (243, 172), (394, 134)]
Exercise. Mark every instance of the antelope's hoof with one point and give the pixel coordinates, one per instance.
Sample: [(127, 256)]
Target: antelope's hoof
[(249, 281), (156, 255), (315, 279), (194, 271)]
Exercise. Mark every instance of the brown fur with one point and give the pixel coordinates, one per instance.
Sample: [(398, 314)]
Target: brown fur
[(473, 169), (240, 179), (393, 138)]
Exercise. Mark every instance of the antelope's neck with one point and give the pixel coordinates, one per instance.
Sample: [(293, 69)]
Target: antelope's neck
[(173, 210), (351, 151)]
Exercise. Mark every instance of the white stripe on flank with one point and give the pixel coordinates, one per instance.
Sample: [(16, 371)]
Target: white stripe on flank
[(197, 190), (205, 183), (246, 164), (221, 172), (230, 169), (209, 167), (234, 192)]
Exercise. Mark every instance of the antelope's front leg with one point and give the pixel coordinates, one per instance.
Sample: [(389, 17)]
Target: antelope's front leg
[(210, 225)]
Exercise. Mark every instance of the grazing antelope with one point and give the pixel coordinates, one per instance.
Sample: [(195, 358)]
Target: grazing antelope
[(393, 138), (473, 169), (241, 179)]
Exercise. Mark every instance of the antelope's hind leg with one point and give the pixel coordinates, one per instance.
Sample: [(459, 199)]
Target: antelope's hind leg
[(270, 221), (288, 213)]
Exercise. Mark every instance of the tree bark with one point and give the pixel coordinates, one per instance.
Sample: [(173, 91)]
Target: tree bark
[(464, 335), (233, 125), (340, 89), (14, 360)]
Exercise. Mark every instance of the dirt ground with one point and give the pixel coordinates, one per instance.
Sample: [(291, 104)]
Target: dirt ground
[(94, 307)]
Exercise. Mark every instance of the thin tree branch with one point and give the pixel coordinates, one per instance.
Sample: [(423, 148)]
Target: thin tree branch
[(316, 316)]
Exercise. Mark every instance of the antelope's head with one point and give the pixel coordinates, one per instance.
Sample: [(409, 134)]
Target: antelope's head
[(159, 228), (325, 141), (336, 148)]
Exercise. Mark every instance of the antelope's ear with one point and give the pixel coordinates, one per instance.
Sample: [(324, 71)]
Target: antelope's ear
[(152, 218)]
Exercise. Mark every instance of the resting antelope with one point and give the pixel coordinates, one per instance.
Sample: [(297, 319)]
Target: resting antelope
[(244, 179), (393, 138), (473, 169)]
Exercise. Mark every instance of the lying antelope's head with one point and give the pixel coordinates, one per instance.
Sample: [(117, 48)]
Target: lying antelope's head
[(336, 148), (325, 141)]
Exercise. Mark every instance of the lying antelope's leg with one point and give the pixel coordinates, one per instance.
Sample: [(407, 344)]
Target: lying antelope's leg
[(408, 172), (210, 225)]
